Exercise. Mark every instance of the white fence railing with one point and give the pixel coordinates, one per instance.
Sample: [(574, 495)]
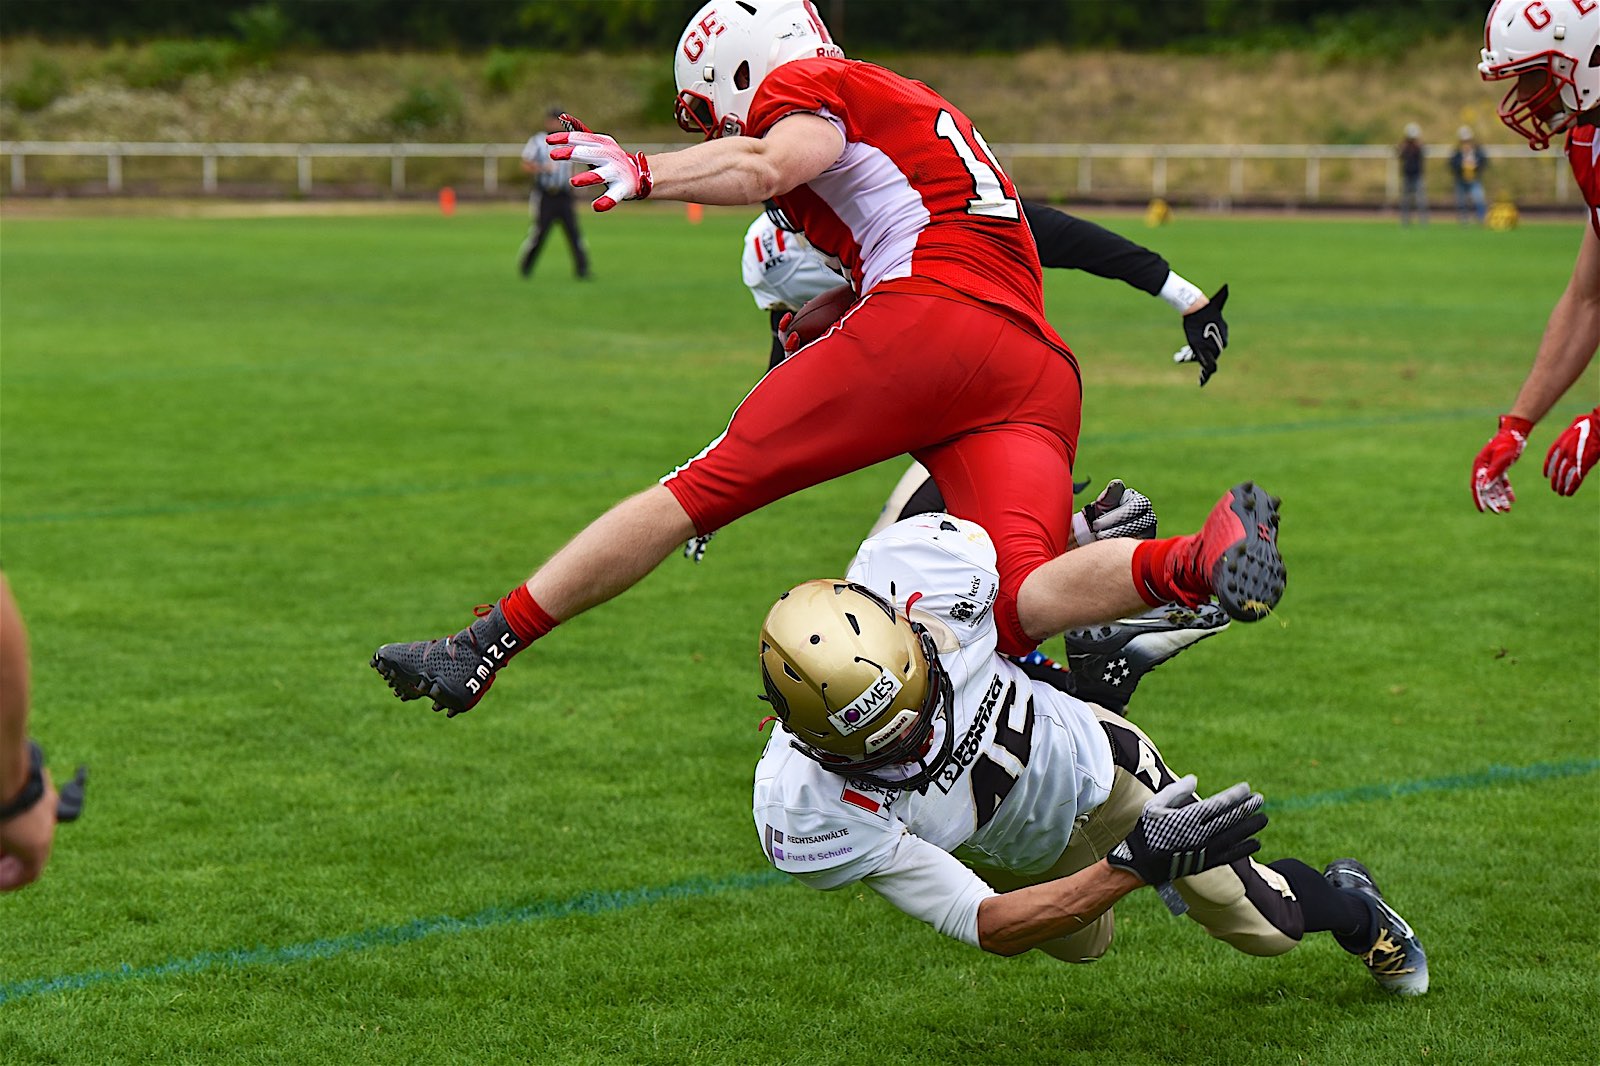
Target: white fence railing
[(1540, 178)]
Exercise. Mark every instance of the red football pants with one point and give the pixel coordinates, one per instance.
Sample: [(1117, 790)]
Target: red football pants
[(988, 407)]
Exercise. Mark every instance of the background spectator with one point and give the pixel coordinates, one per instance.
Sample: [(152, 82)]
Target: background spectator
[(1413, 197), (1467, 164)]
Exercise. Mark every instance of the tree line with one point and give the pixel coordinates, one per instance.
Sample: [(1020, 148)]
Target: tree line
[(266, 27)]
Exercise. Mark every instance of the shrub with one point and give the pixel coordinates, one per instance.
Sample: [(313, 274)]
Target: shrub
[(264, 31), (427, 109), (43, 84), (660, 97), (502, 71), (168, 64)]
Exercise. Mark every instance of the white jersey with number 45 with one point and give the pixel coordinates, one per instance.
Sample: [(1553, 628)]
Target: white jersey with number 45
[(1025, 760)]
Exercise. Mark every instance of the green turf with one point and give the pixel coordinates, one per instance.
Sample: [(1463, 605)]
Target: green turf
[(237, 455)]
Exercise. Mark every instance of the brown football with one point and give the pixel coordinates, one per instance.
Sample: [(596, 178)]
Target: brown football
[(813, 320)]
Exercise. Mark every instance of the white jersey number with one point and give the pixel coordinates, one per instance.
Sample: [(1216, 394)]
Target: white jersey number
[(989, 192)]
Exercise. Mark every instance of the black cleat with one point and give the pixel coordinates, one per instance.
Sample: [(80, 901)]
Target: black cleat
[(1395, 957), (455, 672), (1237, 550), (1107, 662)]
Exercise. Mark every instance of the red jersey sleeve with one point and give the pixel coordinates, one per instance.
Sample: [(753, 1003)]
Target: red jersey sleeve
[(916, 197), (1583, 152)]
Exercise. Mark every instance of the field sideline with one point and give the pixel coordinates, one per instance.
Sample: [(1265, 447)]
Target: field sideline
[(237, 454)]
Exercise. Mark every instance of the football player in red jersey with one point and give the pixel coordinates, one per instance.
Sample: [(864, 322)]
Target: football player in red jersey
[(946, 356), (27, 797), (1552, 50)]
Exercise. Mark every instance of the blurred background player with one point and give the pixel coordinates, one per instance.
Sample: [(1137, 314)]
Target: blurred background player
[(893, 179), (903, 737), (1413, 155), (783, 272), (1555, 59), (551, 201), (27, 796)]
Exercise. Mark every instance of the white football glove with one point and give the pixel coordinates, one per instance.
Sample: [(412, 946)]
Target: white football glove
[(625, 174), (1117, 512), (695, 547), (1179, 835)]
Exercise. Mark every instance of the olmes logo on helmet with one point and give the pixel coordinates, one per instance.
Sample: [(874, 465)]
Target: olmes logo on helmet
[(865, 708)]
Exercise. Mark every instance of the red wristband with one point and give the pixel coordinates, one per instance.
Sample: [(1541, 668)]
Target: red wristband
[(1516, 425)]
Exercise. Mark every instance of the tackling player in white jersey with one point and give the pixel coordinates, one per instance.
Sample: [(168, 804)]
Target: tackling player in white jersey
[(911, 757)]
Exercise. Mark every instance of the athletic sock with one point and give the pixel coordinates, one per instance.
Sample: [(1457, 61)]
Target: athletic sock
[(1163, 572), (523, 614), (1349, 916)]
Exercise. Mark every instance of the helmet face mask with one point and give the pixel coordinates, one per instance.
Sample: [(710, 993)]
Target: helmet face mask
[(1552, 50), (727, 49), (861, 689), (1540, 103), (694, 114)]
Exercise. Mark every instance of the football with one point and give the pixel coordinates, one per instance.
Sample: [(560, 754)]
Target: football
[(813, 320)]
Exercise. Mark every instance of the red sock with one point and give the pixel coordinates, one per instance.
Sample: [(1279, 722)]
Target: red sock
[(527, 619), (1163, 572)]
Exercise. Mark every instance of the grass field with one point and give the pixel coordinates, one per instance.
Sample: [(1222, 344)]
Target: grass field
[(239, 454)]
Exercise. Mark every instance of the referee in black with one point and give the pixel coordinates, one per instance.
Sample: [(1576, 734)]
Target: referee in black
[(551, 200)]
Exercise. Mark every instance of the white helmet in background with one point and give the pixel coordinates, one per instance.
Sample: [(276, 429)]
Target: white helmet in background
[(1552, 48), (729, 47)]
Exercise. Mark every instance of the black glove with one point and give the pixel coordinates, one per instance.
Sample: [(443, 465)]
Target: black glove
[(1179, 835), (69, 801), (1208, 335)]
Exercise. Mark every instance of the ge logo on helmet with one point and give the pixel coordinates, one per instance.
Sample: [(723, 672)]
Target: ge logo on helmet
[(694, 43)]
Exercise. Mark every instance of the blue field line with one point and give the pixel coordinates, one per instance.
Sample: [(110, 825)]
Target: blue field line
[(1494, 775), (589, 903), (1405, 418), (528, 480), (599, 903), (317, 498)]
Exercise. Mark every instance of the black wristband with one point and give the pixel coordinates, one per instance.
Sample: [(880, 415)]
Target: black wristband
[(32, 788)]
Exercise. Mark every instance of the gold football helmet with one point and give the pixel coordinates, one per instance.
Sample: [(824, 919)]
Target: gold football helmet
[(859, 686)]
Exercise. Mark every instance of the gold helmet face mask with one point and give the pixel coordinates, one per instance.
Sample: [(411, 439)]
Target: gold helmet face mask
[(859, 686)]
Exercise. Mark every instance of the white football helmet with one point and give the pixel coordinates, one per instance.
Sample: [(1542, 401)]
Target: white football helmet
[(1552, 48), (729, 47)]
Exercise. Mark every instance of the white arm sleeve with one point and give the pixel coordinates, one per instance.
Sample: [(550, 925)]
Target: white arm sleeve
[(931, 884), (1180, 293), (921, 879)]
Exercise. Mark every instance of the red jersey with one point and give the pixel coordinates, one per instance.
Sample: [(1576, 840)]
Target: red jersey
[(1584, 155), (916, 193)]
